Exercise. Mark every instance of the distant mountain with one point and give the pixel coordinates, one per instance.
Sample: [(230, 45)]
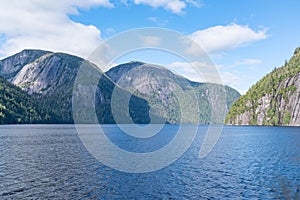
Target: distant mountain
[(17, 107), (274, 100), (48, 78), (157, 85)]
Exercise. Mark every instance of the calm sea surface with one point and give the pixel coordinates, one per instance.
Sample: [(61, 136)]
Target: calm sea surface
[(50, 162)]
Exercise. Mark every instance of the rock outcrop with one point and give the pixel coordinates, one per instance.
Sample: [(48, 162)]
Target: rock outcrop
[(169, 93), (274, 100), (150, 90), (49, 78)]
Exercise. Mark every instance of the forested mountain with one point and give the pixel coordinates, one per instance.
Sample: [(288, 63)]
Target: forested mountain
[(274, 100), (48, 78)]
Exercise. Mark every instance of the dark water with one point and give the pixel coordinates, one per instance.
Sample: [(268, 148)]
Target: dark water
[(50, 162)]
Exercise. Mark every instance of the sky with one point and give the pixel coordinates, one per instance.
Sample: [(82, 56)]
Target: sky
[(244, 39)]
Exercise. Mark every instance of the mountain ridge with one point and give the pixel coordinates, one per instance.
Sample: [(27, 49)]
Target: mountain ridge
[(49, 78), (157, 85)]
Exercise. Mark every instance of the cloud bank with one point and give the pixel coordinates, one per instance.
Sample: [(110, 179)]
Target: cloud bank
[(46, 24), (222, 38), (175, 6), (41, 24)]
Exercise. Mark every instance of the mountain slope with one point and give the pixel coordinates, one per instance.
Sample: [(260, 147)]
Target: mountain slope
[(17, 107), (145, 90), (159, 86), (10, 66), (274, 100), (49, 78)]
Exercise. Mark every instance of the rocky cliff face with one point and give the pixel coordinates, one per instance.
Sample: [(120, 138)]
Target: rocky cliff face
[(151, 90), (47, 73), (274, 100), (169, 93), (10, 66), (49, 78), (40, 72)]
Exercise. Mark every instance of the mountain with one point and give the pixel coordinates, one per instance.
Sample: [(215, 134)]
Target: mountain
[(17, 107), (10, 66), (49, 78), (136, 91), (274, 100), (159, 86)]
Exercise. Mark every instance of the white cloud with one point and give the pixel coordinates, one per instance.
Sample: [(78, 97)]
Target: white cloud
[(150, 40), (248, 61), (230, 79), (222, 38), (194, 3), (125, 2), (110, 30), (46, 25), (187, 70), (153, 19), (245, 61), (195, 72), (158, 21), (175, 6)]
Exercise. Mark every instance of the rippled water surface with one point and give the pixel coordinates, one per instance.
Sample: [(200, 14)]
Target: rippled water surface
[(50, 162)]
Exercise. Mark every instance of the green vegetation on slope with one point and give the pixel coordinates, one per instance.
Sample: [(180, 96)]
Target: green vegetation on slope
[(270, 86), (18, 107), (47, 82)]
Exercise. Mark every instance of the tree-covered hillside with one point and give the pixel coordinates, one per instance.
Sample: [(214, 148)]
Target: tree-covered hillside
[(274, 100), (18, 107)]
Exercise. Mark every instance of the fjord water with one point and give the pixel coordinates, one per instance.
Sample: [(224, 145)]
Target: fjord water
[(50, 162)]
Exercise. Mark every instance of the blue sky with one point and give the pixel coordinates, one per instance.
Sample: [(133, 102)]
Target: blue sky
[(244, 39)]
